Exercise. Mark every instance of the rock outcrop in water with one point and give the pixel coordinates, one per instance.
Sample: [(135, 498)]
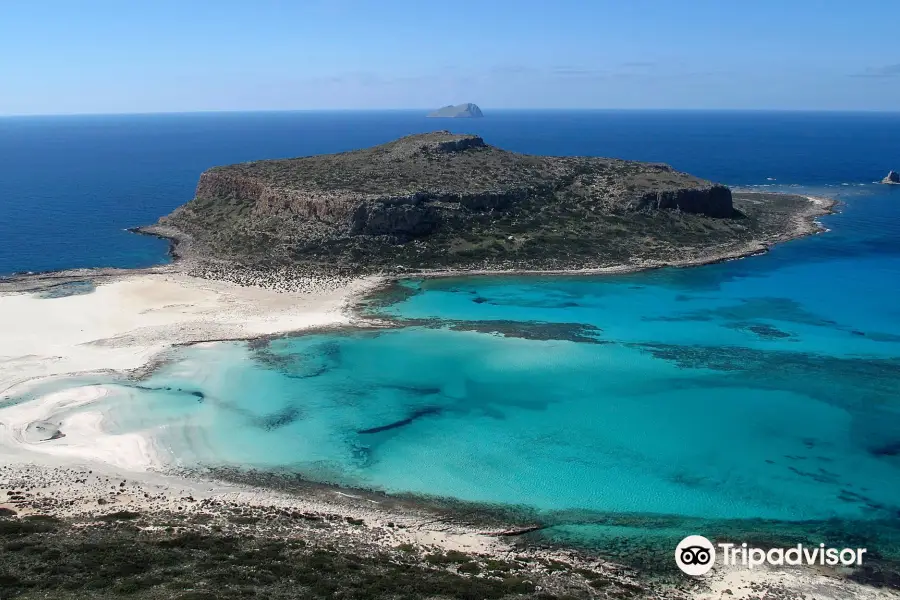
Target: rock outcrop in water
[(892, 178), (42, 431), (444, 200), (459, 111)]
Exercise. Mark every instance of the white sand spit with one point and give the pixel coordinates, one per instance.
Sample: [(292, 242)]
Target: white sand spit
[(125, 323), (83, 437), (120, 326)]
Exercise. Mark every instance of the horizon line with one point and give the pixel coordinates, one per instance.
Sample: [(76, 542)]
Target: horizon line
[(425, 110)]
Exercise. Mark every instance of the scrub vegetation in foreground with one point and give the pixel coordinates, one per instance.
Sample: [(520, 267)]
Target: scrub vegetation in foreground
[(126, 554)]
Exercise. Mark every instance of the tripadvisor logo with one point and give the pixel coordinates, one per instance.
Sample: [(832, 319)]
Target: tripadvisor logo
[(695, 555)]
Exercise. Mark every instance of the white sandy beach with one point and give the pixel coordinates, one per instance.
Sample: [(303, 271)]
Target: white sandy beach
[(84, 441), (125, 323), (121, 326)]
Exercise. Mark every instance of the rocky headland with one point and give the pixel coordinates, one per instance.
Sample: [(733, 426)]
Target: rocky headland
[(443, 201)]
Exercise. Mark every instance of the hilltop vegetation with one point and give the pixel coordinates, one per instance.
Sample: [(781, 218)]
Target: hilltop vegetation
[(442, 200)]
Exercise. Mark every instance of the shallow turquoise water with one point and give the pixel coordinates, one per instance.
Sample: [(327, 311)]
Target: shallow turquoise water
[(552, 424), (765, 388)]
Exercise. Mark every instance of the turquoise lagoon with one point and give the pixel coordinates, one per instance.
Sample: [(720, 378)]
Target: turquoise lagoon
[(750, 391)]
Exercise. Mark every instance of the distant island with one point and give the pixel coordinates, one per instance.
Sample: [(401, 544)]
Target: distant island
[(459, 111), (444, 201)]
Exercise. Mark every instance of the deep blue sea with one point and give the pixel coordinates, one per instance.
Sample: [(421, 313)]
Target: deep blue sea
[(744, 394)]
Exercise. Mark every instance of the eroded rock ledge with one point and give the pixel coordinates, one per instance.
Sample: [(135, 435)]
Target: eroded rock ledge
[(443, 200)]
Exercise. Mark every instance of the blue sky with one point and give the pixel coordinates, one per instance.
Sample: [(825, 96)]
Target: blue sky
[(92, 56)]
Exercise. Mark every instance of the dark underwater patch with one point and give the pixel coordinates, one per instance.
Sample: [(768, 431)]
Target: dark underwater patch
[(877, 336), (259, 343), (858, 384), (395, 292), (533, 330), (526, 330), (362, 456), (418, 414), (691, 317), (148, 388), (851, 497), (277, 420), (819, 476), (777, 363), (413, 390), (746, 316), (891, 449), (752, 309), (549, 303), (311, 362), (70, 288), (761, 330), (283, 417)]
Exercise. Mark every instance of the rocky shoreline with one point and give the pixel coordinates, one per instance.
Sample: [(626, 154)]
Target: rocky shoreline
[(116, 521), (106, 534), (802, 221)]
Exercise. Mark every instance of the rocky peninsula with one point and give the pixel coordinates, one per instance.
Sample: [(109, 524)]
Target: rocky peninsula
[(442, 201)]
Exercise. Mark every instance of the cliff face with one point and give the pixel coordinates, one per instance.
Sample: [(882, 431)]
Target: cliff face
[(420, 213), (265, 199), (439, 193), (714, 200), (412, 214)]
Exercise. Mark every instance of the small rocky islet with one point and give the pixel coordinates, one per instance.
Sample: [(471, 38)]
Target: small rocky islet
[(443, 201), (458, 111)]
